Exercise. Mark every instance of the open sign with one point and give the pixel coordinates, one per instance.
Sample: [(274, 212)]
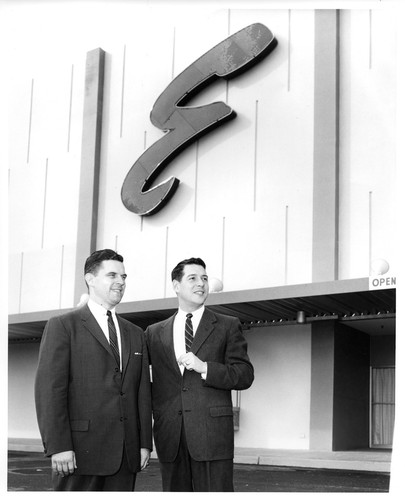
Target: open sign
[(377, 282)]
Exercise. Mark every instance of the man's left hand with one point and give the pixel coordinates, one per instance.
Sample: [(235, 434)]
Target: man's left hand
[(145, 455)]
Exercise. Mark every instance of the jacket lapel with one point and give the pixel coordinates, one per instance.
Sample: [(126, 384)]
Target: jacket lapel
[(90, 323), (125, 345), (166, 337), (204, 330)]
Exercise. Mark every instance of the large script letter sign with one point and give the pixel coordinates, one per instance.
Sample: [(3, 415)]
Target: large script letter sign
[(186, 124)]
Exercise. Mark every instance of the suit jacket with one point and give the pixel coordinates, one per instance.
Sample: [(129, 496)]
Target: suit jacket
[(205, 406), (83, 402)]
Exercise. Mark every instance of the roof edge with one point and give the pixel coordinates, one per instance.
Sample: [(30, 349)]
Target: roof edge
[(218, 298)]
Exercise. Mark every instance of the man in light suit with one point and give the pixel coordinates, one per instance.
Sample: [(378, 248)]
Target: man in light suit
[(191, 389), (92, 388)]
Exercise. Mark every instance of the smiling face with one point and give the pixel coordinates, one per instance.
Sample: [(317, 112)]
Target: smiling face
[(192, 290), (107, 284)]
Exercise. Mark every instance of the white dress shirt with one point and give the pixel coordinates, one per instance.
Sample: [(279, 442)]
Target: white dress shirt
[(100, 313), (178, 330)]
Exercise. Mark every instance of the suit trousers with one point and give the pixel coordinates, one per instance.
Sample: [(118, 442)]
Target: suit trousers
[(122, 480), (186, 474)]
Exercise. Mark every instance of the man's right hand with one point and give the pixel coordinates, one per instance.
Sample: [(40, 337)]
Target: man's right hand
[(64, 463)]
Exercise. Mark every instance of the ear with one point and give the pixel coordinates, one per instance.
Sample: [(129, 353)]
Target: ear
[(176, 286), (89, 279)]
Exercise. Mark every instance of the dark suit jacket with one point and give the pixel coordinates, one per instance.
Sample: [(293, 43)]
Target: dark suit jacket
[(204, 406), (83, 403)]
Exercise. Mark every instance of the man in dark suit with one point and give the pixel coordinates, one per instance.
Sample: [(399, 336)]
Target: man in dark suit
[(191, 387), (92, 388)]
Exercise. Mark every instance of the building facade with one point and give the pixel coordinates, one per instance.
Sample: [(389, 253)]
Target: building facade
[(289, 199)]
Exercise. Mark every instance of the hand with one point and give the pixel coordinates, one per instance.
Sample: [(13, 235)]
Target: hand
[(64, 463), (145, 455), (191, 362)]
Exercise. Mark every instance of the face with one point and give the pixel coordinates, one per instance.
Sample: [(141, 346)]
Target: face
[(107, 286), (192, 290)]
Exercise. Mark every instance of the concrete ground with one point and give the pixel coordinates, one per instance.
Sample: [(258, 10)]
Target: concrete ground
[(30, 471), (373, 460)]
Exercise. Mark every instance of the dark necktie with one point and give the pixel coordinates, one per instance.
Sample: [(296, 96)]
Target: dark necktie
[(113, 338), (188, 332)]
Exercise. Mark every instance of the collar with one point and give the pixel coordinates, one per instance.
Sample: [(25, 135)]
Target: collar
[(98, 310), (197, 314)]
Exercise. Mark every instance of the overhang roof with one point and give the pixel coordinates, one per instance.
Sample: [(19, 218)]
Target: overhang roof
[(372, 311)]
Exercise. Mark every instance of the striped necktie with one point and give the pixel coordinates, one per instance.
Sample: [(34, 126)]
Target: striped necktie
[(113, 338), (188, 332)]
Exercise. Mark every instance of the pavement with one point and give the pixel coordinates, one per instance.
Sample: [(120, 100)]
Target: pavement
[(30, 471), (372, 460)]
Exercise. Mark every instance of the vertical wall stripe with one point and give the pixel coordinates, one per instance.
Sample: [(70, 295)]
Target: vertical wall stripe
[(227, 81), (62, 260), (174, 52), (370, 229), (370, 42), (326, 147), (255, 158), (122, 90), (197, 148), (21, 281), (286, 247), (30, 121), (70, 109), (44, 208), (223, 250), (166, 261), (289, 52), (90, 164)]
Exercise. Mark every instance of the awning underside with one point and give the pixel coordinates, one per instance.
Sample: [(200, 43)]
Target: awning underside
[(368, 311)]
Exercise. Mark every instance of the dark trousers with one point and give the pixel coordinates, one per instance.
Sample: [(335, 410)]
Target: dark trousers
[(186, 474), (122, 480)]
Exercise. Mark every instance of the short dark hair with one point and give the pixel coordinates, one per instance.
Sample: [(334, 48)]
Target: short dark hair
[(178, 271), (96, 259)]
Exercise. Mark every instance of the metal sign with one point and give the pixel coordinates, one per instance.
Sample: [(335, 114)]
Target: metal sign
[(184, 125)]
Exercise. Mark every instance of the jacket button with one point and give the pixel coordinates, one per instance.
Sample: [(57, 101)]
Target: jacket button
[(184, 389), (180, 412)]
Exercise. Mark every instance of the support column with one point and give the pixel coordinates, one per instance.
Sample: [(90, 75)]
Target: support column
[(326, 147), (322, 385), (90, 165)]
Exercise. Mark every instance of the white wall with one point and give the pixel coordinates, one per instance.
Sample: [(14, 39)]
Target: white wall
[(22, 420), (226, 215), (275, 410), (218, 204), (218, 213), (368, 106)]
